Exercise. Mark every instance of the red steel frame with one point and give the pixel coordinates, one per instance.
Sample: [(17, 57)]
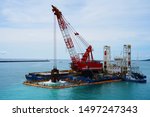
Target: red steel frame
[(87, 60)]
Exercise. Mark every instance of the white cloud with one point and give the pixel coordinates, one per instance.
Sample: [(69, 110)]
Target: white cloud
[(33, 11), (100, 10), (30, 43), (3, 52), (104, 22), (24, 35)]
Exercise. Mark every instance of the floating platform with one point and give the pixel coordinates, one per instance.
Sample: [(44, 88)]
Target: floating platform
[(68, 78)]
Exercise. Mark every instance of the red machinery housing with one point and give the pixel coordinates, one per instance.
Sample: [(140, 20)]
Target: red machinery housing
[(86, 60)]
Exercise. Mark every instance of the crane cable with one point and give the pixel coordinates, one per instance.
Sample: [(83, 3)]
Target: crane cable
[(55, 51), (74, 31), (77, 38)]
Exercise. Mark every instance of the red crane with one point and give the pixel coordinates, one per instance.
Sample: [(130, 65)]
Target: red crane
[(80, 62)]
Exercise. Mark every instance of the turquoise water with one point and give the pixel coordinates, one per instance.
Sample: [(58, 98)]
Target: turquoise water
[(12, 76)]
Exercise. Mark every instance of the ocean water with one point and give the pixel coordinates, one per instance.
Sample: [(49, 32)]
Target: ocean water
[(12, 76)]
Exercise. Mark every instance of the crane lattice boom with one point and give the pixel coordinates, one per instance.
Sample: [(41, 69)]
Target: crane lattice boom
[(86, 61)]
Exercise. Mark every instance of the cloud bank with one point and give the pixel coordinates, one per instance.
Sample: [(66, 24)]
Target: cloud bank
[(26, 27)]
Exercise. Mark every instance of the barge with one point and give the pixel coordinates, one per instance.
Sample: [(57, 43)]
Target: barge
[(67, 79), (71, 77), (85, 70)]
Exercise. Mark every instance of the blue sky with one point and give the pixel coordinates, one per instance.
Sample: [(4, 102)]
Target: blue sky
[(26, 26)]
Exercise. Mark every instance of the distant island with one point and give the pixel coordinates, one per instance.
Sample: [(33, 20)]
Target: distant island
[(24, 60), (146, 60)]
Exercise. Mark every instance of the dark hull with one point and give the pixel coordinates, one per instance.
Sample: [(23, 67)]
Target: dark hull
[(37, 78), (66, 76), (69, 77), (137, 80), (135, 77)]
